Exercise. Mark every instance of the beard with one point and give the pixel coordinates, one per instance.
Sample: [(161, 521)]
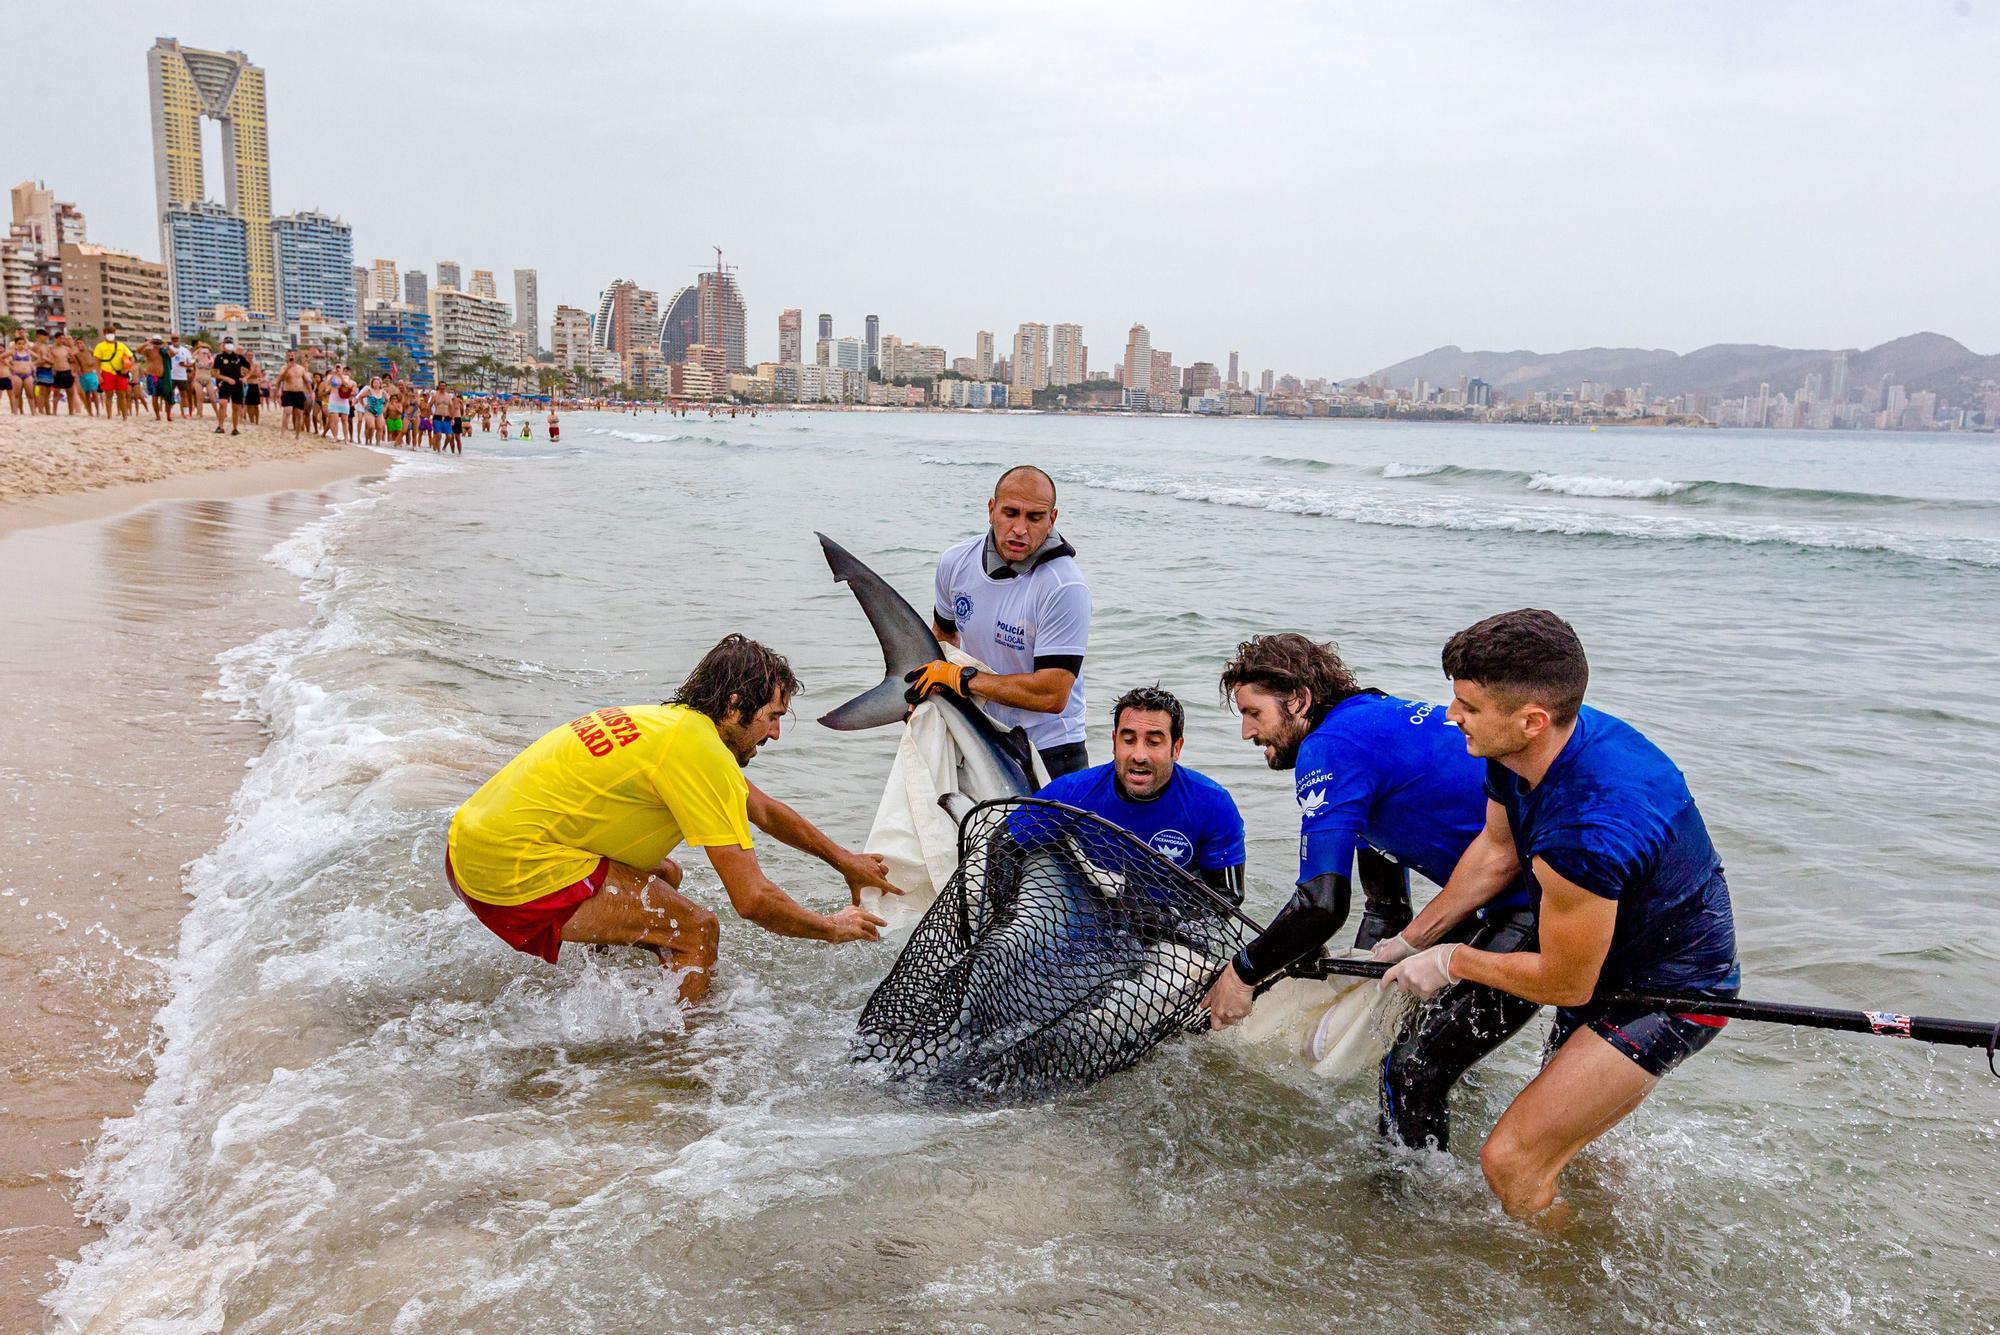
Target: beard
[(1285, 749)]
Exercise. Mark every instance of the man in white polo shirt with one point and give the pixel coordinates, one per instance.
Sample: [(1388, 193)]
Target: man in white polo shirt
[(1013, 599)]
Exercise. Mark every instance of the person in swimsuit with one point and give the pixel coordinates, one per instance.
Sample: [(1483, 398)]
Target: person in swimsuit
[(63, 363), (253, 386), (372, 403), (152, 357), (293, 386), (340, 405), (555, 424), (45, 376), (20, 373), (202, 378)]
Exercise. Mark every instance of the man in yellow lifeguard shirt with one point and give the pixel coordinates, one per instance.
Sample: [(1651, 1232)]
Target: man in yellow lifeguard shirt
[(571, 840)]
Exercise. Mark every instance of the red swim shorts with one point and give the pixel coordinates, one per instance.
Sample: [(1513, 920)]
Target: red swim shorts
[(113, 382), (533, 928)]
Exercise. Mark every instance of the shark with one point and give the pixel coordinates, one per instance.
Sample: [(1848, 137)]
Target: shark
[(997, 762)]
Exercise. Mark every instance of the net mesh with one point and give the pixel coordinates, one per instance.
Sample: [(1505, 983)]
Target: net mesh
[(1063, 949)]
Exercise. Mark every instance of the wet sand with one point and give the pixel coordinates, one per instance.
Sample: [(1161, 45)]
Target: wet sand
[(115, 772)]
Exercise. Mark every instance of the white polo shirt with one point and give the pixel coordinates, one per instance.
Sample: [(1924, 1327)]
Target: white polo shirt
[(1009, 623)]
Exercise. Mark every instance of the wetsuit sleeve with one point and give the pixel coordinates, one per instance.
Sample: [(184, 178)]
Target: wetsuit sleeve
[(1226, 881), (1064, 628), (1308, 920)]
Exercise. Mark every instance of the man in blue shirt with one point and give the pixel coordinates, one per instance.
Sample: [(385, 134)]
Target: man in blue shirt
[(1388, 781), (1630, 893), (1187, 818)]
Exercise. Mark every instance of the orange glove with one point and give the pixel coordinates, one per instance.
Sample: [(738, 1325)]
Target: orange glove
[(936, 675)]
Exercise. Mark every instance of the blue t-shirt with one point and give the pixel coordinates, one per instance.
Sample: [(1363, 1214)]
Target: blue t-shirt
[(1193, 823), (1392, 774), (1614, 816)]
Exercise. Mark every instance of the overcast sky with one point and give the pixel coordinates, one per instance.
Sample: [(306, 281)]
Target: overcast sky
[(1327, 187)]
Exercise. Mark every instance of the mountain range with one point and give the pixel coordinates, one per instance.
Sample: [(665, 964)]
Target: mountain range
[(1918, 362)]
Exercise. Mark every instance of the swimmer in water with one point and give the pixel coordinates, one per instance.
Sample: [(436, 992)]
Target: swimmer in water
[(571, 840)]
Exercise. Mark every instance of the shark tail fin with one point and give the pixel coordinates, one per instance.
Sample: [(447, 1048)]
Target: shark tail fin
[(905, 637)]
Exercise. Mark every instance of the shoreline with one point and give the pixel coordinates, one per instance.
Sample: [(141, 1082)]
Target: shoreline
[(118, 771)]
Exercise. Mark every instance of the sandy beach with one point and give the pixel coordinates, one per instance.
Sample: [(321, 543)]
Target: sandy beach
[(131, 557)]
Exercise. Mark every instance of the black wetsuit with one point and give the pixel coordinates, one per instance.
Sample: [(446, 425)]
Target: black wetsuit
[(1441, 1041)]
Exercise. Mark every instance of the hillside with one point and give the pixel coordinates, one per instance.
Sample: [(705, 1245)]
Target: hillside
[(1919, 361)]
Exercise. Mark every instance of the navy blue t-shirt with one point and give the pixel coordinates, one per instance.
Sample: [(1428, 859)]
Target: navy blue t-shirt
[(1614, 816), (1393, 774), (1193, 823)]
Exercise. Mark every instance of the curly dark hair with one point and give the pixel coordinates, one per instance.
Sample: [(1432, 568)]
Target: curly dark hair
[(1528, 654), (1287, 663), (737, 677), (1154, 697)]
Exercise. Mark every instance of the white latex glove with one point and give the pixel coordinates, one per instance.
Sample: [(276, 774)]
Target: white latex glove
[(1392, 951), (1424, 974)]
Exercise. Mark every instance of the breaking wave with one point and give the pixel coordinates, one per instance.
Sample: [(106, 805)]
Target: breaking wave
[(1469, 513)]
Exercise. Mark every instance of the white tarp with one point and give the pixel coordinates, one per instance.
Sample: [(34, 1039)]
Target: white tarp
[(911, 831)]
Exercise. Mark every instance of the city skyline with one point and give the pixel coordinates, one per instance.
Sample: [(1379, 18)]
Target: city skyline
[(1540, 234)]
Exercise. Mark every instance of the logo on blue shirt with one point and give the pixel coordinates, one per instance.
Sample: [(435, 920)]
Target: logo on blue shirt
[(1173, 845), (961, 607)]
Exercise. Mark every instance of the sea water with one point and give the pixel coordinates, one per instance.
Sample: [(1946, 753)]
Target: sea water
[(370, 1114)]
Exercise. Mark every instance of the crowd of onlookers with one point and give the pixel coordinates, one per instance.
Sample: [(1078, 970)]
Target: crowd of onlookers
[(310, 391)]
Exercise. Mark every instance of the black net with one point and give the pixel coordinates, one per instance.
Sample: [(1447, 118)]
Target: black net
[(1063, 949)]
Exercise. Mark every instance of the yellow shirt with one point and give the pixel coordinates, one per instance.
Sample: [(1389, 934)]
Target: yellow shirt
[(629, 784), (113, 357)]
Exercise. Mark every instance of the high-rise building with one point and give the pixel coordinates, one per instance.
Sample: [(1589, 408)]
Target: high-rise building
[(404, 335), (186, 85), (847, 355), (1200, 379), (483, 285), (569, 338), (825, 328), (448, 275), (1161, 381), (528, 307), (18, 258), (982, 355), (315, 267), (1066, 355), (102, 286), (1836, 380), (465, 329), (48, 223), (1031, 357), (872, 335), (680, 327), (360, 295), (1139, 358), (628, 317), (417, 289), (208, 261), (1234, 381), (1265, 386), (382, 283), (791, 329), (722, 316)]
